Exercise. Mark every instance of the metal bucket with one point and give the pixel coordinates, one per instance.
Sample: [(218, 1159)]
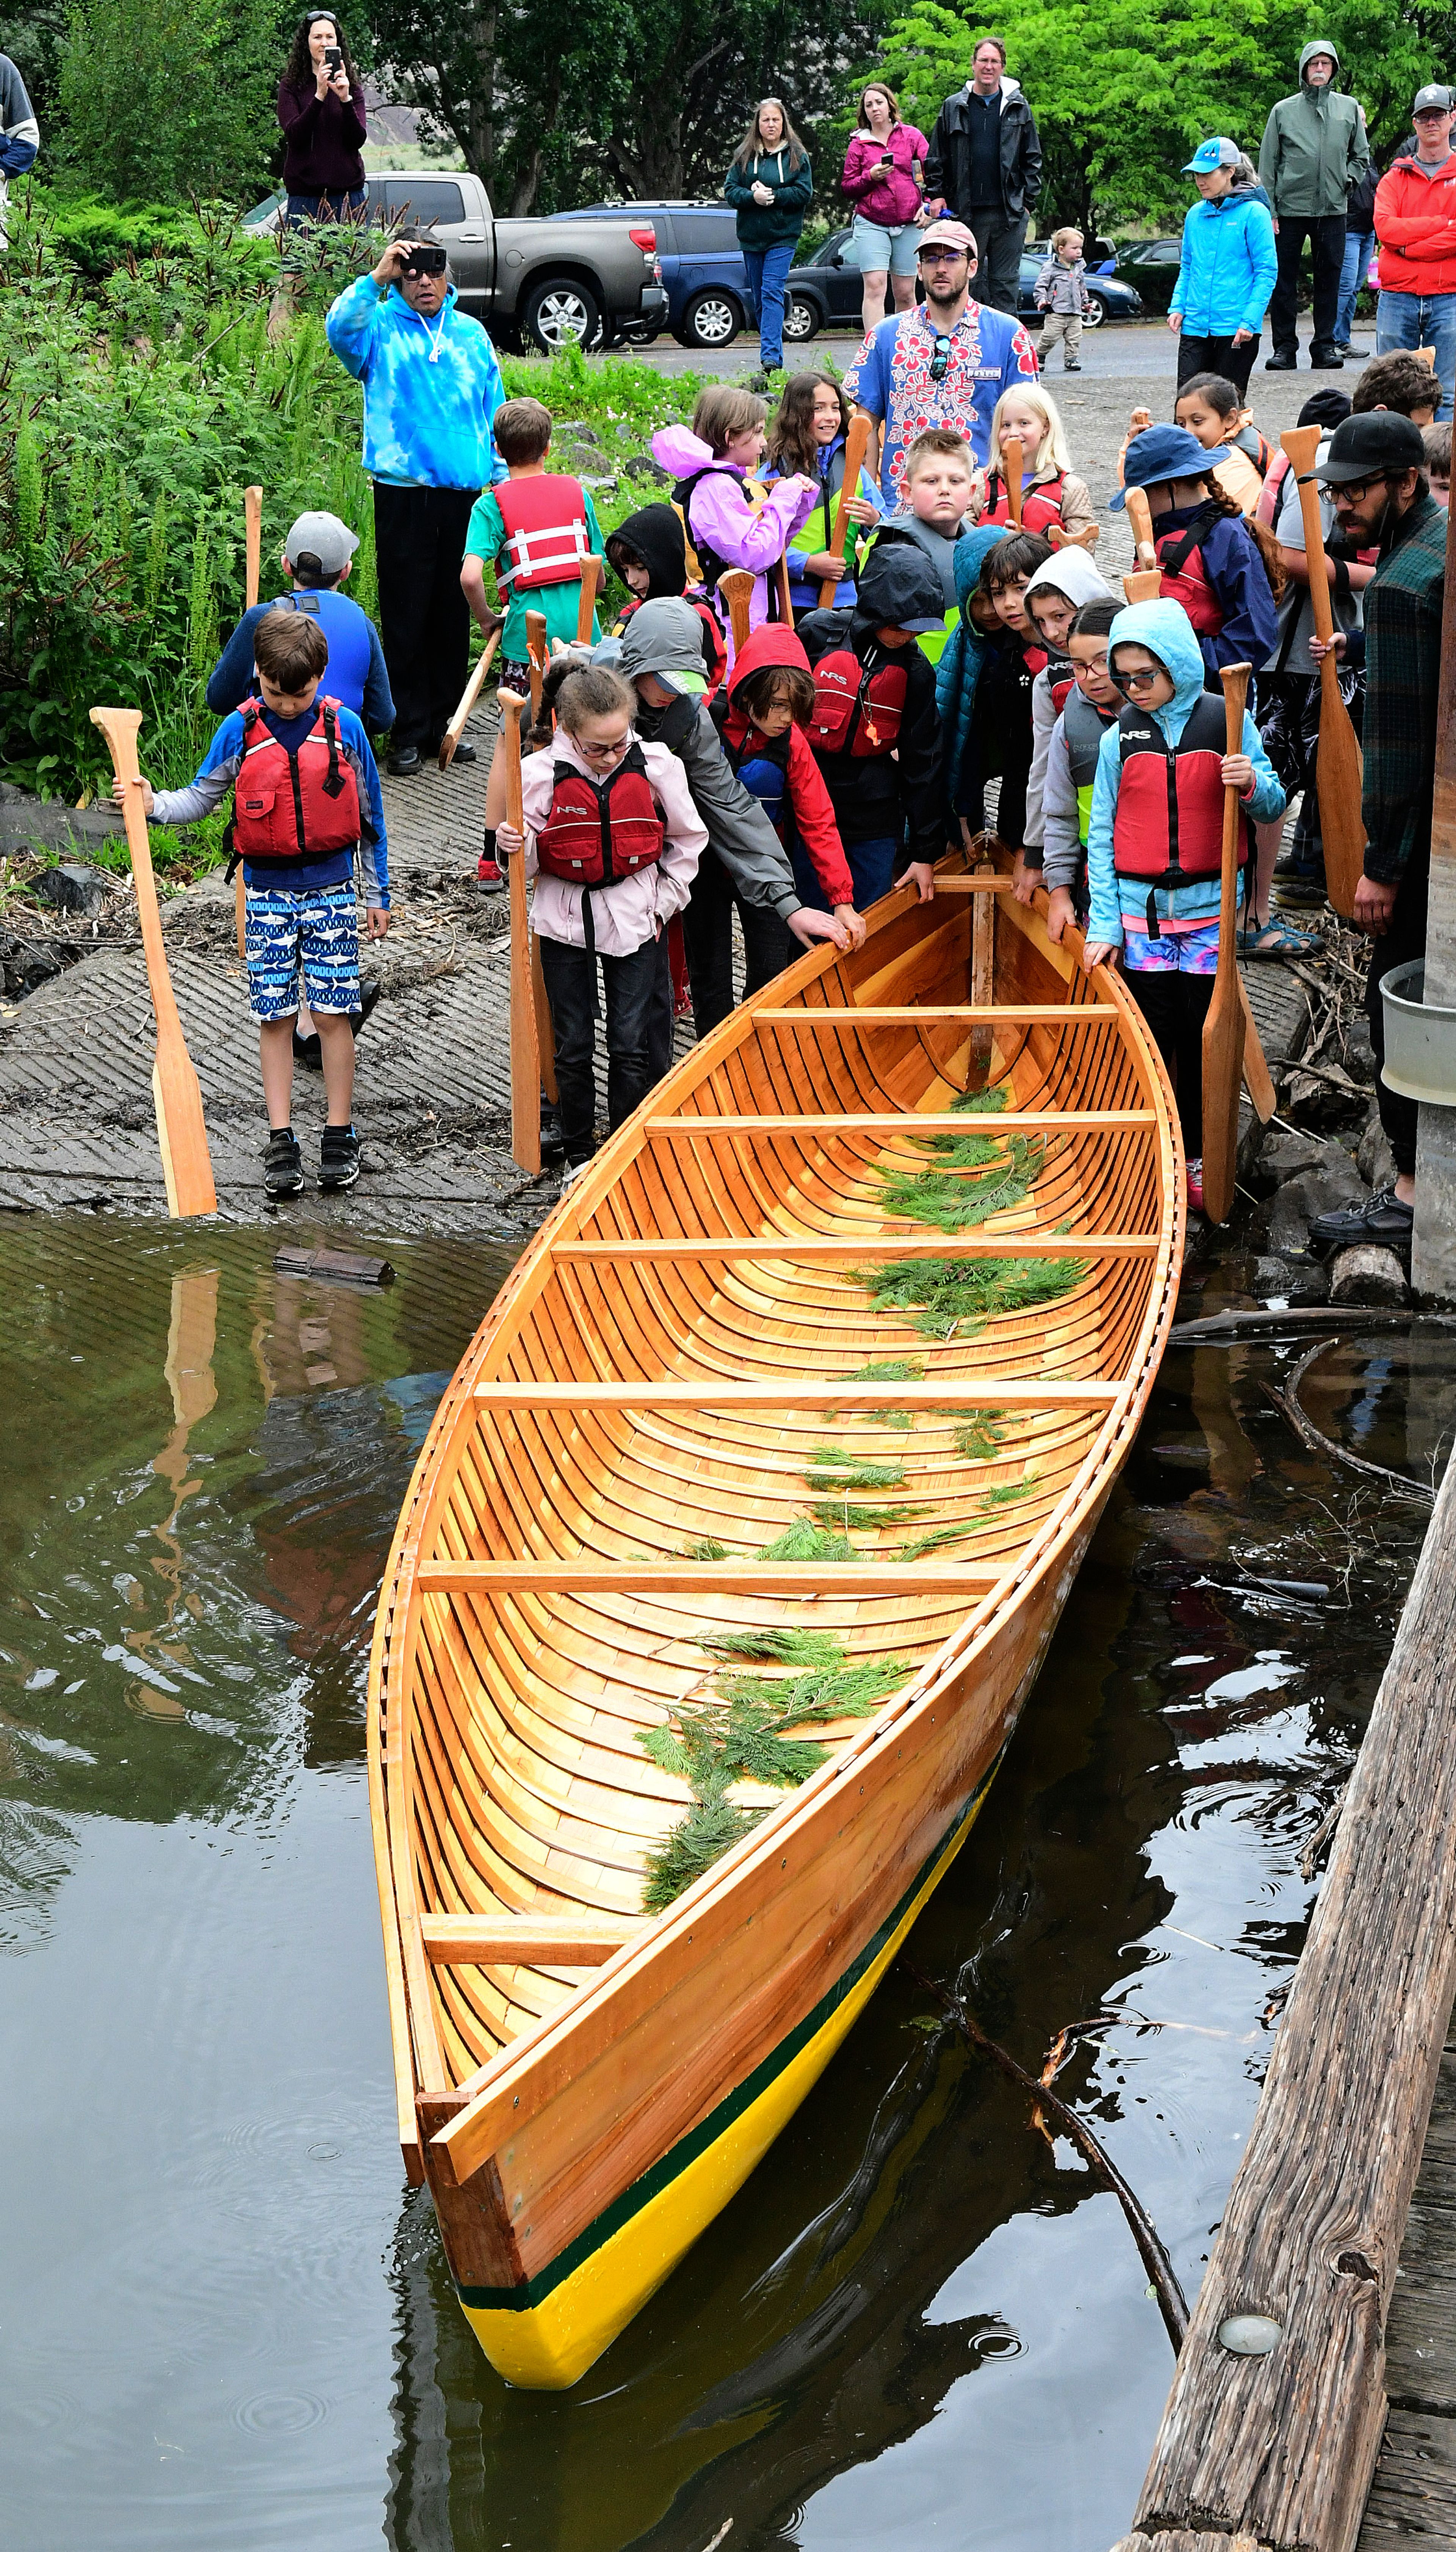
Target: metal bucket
[(1420, 1039)]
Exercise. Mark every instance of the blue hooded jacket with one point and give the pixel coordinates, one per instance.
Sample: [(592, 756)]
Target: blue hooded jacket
[(1229, 265), (431, 387), (1167, 632), (959, 670)]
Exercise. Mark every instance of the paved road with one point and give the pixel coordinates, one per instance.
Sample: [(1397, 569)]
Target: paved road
[(1143, 352)]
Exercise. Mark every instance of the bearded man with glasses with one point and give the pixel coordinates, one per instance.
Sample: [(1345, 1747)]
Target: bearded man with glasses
[(945, 364)]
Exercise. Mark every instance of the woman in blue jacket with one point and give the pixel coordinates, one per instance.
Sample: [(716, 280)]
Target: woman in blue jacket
[(1228, 268)]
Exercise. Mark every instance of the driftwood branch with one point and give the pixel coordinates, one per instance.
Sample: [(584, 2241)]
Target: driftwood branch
[(1225, 1329), (1321, 1835), (1171, 2299), (1288, 1402)]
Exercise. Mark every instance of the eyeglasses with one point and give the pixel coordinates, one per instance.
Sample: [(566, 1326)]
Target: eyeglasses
[(1353, 492), (942, 256), (601, 752), (1432, 114), (940, 358), (1137, 682)]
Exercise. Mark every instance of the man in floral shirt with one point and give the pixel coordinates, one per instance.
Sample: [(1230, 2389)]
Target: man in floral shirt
[(945, 364)]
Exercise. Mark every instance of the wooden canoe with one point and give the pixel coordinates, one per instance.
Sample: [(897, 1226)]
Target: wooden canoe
[(584, 2085)]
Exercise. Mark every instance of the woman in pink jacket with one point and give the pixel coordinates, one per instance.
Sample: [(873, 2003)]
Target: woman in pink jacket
[(883, 174)]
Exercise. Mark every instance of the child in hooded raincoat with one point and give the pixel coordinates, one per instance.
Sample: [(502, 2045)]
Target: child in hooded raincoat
[(761, 720), (1052, 600), (649, 552), (1155, 841)]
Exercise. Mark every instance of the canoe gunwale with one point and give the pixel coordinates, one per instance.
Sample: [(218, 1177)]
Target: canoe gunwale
[(420, 2065)]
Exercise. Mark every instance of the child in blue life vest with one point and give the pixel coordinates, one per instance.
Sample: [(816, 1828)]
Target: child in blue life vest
[(1224, 569), (1155, 841), (306, 804), (1093, 704), (614, 840), (536, 526), (807, 439), (317, 557)]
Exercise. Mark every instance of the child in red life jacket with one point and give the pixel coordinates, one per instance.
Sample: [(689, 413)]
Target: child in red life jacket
[(1051, 602), (1155, 841), (1051, 491), (1225, 571), (875, 732), (536, 527), (762, 722), (1093, 704), (305, 803), (728, 518), (649, 552), (614, 840)]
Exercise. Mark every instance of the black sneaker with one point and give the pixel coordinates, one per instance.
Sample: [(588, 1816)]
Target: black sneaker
[(338, 1158), (282, 1164), (1382, 1218)]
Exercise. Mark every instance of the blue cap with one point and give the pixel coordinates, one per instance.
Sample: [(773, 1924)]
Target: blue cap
[(1163, 452), (1220, 153)]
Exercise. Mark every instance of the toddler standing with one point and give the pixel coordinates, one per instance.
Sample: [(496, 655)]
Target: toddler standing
[(1061, 291)]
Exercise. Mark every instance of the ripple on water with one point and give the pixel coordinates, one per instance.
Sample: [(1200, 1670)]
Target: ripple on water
[(279, 2414)]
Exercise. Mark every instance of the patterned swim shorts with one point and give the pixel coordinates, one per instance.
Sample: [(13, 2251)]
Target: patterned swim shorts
[(316, 931), (1173, 952)]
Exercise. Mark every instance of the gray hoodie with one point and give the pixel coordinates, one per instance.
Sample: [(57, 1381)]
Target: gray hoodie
[(664, 637)]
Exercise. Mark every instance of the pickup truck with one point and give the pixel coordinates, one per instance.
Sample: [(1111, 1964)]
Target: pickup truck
[(558, 283)]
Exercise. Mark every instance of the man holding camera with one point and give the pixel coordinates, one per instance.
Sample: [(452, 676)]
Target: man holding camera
[(432, 386)]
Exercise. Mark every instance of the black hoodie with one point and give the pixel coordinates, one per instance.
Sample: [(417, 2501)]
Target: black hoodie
[(654, 534), (880, 796)]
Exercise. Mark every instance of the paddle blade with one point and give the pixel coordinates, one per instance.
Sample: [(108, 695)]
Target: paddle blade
[(856, 445), (252, 541), (1140, 523), (525, 1055), (1224, 1028), (1257, 1081), (1145, 585), (1014, 463), (1339, 776), (587, 605), (736, 587)]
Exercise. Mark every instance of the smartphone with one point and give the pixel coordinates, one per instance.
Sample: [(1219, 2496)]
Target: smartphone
[(333, 59)]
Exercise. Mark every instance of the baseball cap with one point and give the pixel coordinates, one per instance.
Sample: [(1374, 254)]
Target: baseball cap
[(948, 234), (1163, 452), (1364, 446), (324, 537), (1433, 96), (693, 684), (1220, 153)]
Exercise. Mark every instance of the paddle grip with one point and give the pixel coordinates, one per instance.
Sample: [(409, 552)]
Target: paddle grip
[(1140, 520)]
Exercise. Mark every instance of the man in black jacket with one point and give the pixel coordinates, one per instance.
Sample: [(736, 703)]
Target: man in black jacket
[(985, 166)]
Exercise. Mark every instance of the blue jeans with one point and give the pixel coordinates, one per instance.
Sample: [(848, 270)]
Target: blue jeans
[(765, 269), (1359, 250), (1406, 320), (870, 865)]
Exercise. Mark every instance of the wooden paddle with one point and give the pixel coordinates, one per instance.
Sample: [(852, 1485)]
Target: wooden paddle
[(251, 572), (855, 444), (1339, 772), (187, 1163), (1140, 523), (525, 1053), (467, 699), (591, 578), (1144, 586), (1224, 1027), (785, 593), (1013, 464), (1257, 1079), (1062, 539), (538, 648), (736, 587)]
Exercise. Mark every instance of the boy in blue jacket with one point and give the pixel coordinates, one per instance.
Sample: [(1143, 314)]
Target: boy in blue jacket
[(1156, 839), (317, 556), (305, 801)]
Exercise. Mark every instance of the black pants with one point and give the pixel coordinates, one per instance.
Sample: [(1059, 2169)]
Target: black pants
[(1327, 239), (1404, 939), (632, 996), (1175, 1007), (998, 240), (707, 935), (1215, 355), (424, 619)]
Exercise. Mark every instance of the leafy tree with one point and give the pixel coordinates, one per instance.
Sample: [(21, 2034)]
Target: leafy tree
[(168, 99)]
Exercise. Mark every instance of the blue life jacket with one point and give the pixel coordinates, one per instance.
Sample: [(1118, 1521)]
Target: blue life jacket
[(347, 632)]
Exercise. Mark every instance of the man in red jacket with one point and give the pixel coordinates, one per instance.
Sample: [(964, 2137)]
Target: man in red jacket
[(1415, 224)]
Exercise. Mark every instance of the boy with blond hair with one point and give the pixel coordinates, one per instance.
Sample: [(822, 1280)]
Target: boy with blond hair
[(1061, 291), (944, 490)]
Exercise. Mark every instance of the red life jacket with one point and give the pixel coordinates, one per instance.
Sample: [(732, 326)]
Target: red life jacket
[(1168, 828), (547, 537), (857, 708), (1061, 681), (714, 653), (294, 805), (1184, 576), (1040, 506), (599, 831)]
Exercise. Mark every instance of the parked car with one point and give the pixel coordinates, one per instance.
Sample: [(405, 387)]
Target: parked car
[(559, 283), (1151, 267), (701, 262), (825, 293)]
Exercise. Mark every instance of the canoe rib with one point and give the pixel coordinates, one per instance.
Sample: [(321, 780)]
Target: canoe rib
[(655, 1375)]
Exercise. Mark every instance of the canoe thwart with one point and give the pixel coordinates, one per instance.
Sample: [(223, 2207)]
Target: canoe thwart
[(1069, 1120), (934, 1015), (885, 1244), (653, 1576), (958, 1391), (517, 1940)]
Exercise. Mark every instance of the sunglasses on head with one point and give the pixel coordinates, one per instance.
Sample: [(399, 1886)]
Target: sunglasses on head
[(940, 358)]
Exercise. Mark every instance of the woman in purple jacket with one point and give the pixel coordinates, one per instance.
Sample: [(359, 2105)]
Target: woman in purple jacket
[(321, 108), (883, 174)]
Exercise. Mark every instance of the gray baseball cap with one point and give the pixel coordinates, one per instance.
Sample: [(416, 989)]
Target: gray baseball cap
[(1433, 96), (324, 537)]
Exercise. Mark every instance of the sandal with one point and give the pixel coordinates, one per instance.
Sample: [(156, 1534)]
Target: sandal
[(1271, 940)]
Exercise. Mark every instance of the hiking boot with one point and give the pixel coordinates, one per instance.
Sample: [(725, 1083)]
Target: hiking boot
[(1304, 890), (1070, 367), (338, 1158), (465, 754), (406, 762), (282, 1164), (1282, 363), (1382, 1218)]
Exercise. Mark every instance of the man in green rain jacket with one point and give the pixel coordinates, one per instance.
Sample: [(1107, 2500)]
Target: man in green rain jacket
[(1315, 148)]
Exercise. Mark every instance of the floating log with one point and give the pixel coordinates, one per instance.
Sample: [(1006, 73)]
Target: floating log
[(334, 1266)]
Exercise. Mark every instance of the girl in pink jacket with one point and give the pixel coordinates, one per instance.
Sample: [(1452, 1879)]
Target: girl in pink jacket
[(729, 520), (883, 174)]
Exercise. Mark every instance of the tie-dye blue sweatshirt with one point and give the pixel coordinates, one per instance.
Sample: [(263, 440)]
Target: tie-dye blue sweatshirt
[(431, 387)]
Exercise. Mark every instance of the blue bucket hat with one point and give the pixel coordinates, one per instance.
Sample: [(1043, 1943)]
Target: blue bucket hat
[(1220, 153), (1163, 452)]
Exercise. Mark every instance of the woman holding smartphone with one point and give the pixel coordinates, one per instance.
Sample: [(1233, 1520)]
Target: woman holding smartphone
[(321, 108), (883, 177)]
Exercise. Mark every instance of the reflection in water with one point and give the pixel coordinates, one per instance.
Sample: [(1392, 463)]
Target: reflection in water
[(224, 2325)]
